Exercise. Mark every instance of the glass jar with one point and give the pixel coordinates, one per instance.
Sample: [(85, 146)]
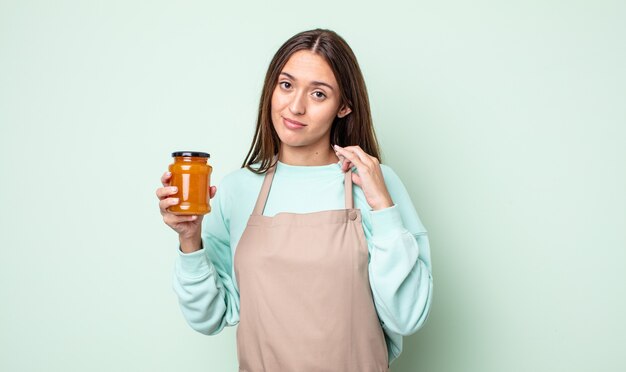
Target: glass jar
[(191, 173)]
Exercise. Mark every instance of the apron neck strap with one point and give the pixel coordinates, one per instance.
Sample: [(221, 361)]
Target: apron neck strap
[(348, 187), (265, 191), (267, 185)]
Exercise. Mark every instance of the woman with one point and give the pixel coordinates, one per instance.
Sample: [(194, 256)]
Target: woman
[(320, 274)]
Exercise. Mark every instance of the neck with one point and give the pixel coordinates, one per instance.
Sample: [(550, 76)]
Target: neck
[(307, 157)]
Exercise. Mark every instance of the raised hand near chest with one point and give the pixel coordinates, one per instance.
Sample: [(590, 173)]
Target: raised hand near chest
[(369, 178)]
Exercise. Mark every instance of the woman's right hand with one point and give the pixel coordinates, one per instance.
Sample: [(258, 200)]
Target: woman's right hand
[(189, 228)]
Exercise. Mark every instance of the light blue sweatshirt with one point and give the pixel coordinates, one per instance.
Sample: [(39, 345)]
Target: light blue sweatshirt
[(400, 269)]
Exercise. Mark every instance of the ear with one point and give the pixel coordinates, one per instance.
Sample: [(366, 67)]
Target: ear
[(344, 111)]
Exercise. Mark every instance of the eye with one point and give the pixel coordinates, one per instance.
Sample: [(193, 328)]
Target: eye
[(319, 95), (285, 84)]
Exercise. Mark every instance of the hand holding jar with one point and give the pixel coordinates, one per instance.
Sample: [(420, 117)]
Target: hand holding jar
[(184, 197)]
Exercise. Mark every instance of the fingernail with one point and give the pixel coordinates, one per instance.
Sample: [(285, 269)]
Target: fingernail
[(174, 189), (175, 200), (337, 147)]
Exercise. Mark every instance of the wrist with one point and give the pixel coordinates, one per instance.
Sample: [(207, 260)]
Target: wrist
[(190, 244), (383, 204)]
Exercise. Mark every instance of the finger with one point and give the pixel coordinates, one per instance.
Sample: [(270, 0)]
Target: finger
[(212, 191), (346, 165), (164, 192), (166, 203), (356, 179), (363, 156), (342, 161), (165, 178), (349, 155), (185, 218), (172, 219)]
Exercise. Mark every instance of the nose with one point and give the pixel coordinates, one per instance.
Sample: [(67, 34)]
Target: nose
[(298, 104)]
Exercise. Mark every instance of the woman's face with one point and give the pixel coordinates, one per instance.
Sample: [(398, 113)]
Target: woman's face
[(305, 102)]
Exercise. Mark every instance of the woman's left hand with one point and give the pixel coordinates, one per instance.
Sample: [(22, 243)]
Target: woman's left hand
[(370, 176)]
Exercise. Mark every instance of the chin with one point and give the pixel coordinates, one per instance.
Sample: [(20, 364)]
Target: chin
[(291, 139), (293, 143), (296, 139)]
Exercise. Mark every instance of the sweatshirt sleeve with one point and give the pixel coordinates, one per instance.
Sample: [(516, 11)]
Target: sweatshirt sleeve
[(400, 267), (203, 281)]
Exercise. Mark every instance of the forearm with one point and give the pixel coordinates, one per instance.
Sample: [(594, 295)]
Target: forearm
[(190, 244), (201, 295), (401, 282)]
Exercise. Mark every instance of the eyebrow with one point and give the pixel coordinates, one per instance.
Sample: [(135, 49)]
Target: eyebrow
[(313, 82)]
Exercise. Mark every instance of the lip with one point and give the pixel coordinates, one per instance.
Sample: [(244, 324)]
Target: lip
[(293, 124)]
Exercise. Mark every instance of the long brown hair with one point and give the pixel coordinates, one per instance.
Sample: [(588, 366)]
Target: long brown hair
[(356, 128)]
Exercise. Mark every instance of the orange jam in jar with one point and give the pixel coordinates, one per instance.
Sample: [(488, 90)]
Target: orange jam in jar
[(191, 173)]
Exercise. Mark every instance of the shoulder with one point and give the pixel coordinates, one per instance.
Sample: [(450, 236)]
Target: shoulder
[(402, 199), (394, 184), (390, 175)]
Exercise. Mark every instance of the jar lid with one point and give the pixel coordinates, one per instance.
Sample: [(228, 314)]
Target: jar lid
[(191, 153)]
